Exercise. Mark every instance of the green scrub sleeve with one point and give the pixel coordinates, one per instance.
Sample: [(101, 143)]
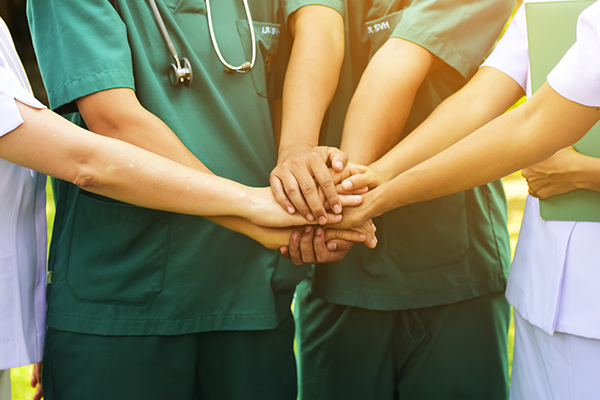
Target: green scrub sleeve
[(294, 5), (82, 48), (460, 32)]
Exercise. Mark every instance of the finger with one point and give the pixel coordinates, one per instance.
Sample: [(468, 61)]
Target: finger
[(356, 182), (294, 248), (338, 158), (284, 251), (532, 192), (309, 190), (322, 252), (279, 194), (351, 200), (326, 184), (306, 246), (345, 234), (339, 246)]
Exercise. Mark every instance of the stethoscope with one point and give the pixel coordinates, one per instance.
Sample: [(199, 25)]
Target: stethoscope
[(182, 74)]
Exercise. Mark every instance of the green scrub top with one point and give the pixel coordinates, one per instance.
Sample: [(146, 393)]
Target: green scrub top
[(445, 250), (118, 269)]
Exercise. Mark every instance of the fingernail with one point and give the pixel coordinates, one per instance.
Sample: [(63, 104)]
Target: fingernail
[(357, 197), (347, 185), (308, 229), (291, 209), (323, 220), (339, 164), (310, 217), (363, 236), (332, 246), (337, 209)]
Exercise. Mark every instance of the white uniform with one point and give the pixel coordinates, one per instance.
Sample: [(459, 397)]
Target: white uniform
[(22, 232), (553, 283)]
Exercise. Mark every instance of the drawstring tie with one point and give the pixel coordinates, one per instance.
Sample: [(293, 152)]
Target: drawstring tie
[(409, 315)]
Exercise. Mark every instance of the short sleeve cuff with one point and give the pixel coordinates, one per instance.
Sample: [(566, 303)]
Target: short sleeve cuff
[(9, 92), (573, 83), (292, 6)]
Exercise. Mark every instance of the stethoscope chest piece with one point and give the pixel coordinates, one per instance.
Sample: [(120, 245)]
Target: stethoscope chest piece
[(181, 75)]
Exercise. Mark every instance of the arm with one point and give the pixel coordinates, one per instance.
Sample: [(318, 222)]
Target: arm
[(565, 171), (50, 144), (383, 99), (118, 114), (526, 135), (310, 83), (486, 96)]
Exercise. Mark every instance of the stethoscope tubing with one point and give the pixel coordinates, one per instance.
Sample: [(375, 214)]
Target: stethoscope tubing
[(179, 74), (246, 66)]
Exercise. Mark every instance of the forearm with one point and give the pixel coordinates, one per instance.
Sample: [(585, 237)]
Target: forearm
[(527, 135), (383, 99), (48, 143), (312, 75), (486, 96)]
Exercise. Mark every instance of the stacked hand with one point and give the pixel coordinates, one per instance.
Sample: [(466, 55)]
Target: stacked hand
[(313, 180)]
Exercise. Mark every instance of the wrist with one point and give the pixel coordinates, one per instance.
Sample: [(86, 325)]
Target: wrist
[(290, 149)]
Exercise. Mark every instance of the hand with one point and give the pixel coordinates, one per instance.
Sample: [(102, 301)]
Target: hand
[(316, 245), (357, 178), (36, 380), (555, 175), (294, 181), (265, 211)]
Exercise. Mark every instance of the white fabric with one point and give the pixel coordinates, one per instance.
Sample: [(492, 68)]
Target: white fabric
[(577, 75), (553, 367), (22, 228), (555, 273)]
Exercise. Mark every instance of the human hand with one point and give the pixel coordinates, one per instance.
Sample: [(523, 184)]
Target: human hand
[(300, 174), (555, 175), (317, 245), (265, 211), (36, 380), (356, 178)]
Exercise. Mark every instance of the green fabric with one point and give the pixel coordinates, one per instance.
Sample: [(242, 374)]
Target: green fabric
[(124, 270), (452, 352), (249, 365), (293, 5), (445, 250)]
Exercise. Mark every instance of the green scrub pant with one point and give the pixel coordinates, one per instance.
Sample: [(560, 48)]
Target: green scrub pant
[(232, 365), (451, 352)]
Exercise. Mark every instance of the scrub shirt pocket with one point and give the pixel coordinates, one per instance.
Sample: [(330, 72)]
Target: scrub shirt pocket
[(123, 258), (438, 235), (267, 37), (379, 30), (7, 286)]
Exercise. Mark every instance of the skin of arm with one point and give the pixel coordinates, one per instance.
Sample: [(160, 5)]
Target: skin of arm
[(50, 144), (383, 99), (565, 171), (380, 106), (310, 83), (117, 113), (524, 136)]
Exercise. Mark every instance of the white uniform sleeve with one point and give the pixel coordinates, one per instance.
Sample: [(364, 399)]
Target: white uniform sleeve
[(511, 54), (13, 84), (11, 90), (577, 75)]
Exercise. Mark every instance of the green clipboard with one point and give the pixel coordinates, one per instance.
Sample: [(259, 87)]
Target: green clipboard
[(551, 31)]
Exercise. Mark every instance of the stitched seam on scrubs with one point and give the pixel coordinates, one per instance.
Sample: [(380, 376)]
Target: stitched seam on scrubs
[(89, 77)]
